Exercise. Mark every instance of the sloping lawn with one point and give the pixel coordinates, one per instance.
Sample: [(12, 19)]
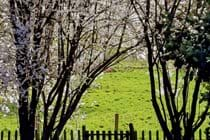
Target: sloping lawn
[(123, 90)]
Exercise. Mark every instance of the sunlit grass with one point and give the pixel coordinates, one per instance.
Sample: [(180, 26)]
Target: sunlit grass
[(124, 90)]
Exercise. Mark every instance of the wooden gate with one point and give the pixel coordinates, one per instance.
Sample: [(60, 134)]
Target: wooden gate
[(109, 135)]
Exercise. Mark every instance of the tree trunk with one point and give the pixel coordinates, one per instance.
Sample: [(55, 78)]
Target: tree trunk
[(26, 133)]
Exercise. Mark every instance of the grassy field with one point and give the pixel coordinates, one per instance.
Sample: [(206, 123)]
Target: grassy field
[(125, 91)]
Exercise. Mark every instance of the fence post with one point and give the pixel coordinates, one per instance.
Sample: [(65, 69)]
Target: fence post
[(116, 122), (131, 131)]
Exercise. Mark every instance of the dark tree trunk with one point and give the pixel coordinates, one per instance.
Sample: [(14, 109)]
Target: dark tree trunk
[(21, 33), (21, 63), (23, 81)]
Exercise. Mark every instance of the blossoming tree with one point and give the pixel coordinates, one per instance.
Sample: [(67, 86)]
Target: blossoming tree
[(61, 47)]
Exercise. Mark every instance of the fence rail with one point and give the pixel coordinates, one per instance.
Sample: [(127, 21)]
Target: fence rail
[(105, 135)]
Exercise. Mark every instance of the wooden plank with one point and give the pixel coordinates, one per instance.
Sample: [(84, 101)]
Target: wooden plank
[(116, 122)]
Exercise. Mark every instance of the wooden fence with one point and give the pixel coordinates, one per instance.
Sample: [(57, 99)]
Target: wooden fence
[(109, 135), (106, 135)]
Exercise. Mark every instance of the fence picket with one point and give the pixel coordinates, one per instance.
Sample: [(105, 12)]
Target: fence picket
[(157, 135), (91, 135), (109, 135), (97, 135), (16, 135), (135, 135), (143, 135), (9, 134), (71, 135), (115, 135), (127, 135), (103, 135), (150, 135), (121, 135), (79, 135), (2, 135)]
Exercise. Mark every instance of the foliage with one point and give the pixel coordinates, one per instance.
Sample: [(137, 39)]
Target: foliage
[(193, 46), (60, 48), (7, 61), (174, 31)]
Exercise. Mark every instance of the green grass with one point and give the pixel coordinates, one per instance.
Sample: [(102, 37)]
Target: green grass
[(8, 122), (125, 91)]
